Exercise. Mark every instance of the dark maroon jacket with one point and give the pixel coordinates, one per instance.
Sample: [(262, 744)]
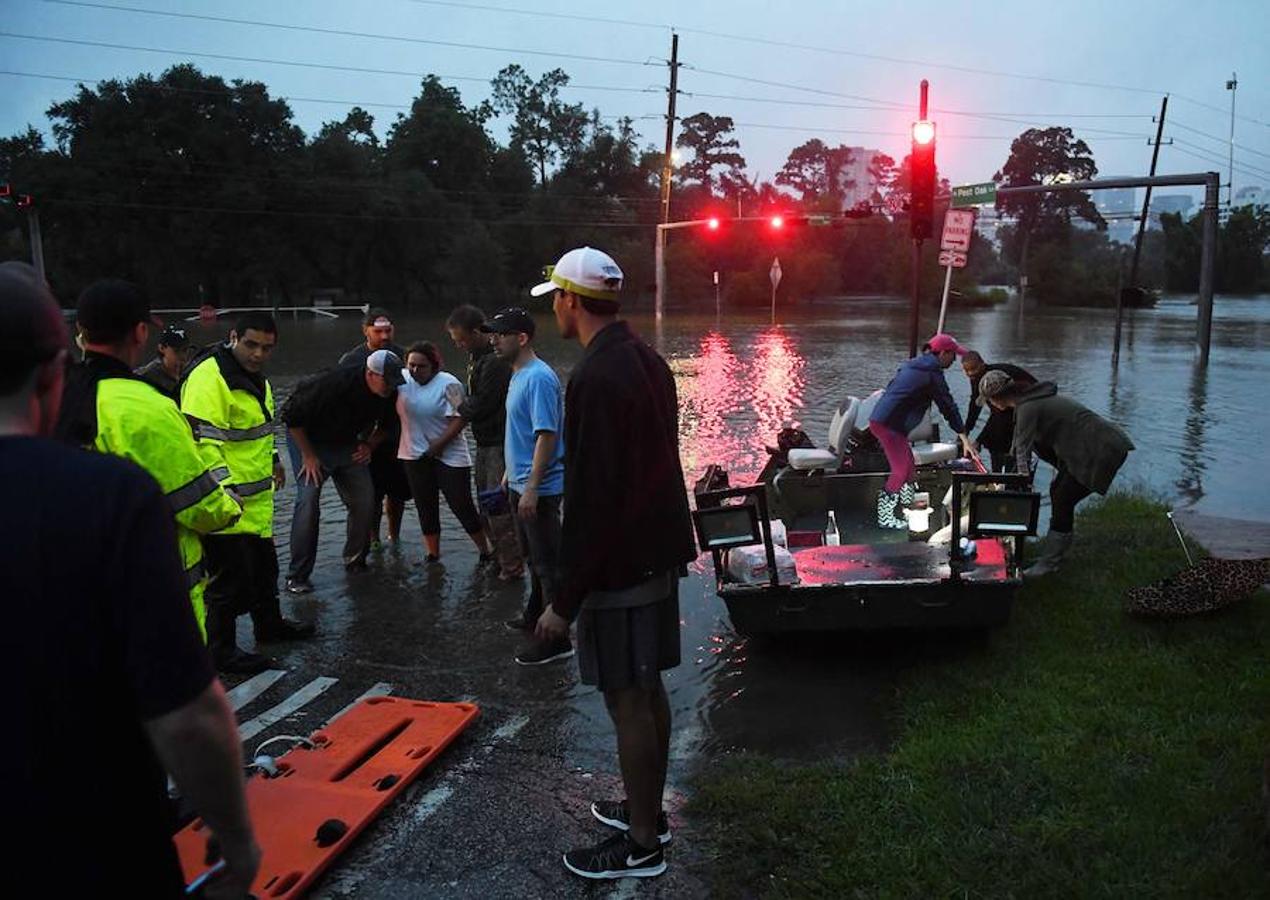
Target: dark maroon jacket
[(625, 507)]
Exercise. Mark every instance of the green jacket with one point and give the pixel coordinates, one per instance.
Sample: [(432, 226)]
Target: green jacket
[(231, 412), (1086, 445)]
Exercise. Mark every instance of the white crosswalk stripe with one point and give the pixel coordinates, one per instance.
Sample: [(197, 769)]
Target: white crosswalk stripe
[(379, 689), (296, 701), (253, 687)]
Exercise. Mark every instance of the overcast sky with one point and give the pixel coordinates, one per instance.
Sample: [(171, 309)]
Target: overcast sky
[(1127, 54)]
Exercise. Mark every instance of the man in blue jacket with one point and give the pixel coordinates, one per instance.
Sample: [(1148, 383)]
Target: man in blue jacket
[(900, 410)]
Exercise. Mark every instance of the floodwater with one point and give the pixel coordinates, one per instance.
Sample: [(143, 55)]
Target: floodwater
[(1200, 439)]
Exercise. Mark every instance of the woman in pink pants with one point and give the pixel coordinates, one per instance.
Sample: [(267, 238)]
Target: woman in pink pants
[(918, 382)]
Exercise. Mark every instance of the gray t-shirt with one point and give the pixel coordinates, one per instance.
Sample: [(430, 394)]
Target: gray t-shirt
[(653, 590)]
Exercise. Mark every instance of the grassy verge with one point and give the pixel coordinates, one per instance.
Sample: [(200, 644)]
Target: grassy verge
[(1081, 753)]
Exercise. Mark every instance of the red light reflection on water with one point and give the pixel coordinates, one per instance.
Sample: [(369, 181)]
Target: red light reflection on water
[(731, 406)]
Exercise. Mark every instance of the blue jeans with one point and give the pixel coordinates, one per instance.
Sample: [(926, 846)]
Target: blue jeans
[(352, 481)]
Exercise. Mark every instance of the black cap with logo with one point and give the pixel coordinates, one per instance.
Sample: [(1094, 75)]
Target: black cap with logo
[(107, 310), (510, 321)]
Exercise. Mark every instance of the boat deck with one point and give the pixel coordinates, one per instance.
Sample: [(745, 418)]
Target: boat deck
[(896, 562)]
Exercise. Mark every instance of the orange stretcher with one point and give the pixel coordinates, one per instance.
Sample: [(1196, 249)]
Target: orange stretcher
[(323, 797)]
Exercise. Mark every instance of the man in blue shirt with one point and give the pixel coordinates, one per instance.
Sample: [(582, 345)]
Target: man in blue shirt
[(535, 471)]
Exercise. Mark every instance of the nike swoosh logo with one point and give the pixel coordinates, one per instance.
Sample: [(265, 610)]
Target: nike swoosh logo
[(631, 861)]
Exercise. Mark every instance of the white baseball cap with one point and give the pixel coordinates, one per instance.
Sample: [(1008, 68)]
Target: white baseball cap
[(584, 271), (388, 364)]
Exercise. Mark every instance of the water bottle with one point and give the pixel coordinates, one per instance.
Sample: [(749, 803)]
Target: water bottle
[(831, 531)]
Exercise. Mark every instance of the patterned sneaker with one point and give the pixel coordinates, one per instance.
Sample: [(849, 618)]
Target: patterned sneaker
[(617, 857), (614, 814)]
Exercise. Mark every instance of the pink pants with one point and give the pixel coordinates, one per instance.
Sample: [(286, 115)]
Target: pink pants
[(898, 453)]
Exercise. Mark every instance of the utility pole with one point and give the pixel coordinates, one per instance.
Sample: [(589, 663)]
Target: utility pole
[(1231, 86), (1146, 201), (667, 166), (37, 242), (917, 248)]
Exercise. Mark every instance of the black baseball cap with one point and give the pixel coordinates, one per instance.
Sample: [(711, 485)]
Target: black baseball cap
[(107, 309), (31, 327), (174, 336), (510, 321)]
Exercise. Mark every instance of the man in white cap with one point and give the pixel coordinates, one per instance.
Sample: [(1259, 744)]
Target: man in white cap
[(627, 537), (335, 420)]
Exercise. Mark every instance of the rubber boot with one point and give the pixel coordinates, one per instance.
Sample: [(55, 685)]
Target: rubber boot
[(886, 511), (1053, 548), (502, 532), (908, 492)]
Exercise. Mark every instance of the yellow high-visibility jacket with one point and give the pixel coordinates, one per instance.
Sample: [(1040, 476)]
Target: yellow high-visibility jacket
[(107, 408), (232, 415)]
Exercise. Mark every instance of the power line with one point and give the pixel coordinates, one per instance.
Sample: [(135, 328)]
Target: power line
[(1225, 142), (339, 32), (1212, 158), (500, 223), (833, 51), (966, 137)]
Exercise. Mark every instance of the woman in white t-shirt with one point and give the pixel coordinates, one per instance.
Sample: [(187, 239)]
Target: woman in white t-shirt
[(433, 451)]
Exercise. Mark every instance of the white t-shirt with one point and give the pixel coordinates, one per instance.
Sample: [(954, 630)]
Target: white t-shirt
[(425, 412)]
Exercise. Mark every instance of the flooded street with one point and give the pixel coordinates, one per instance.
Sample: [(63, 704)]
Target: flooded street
[(492, 816)]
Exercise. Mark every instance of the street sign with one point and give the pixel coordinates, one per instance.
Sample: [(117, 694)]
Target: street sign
[(819, 220), (974, 194), (959, 228), (774, 273), (954, 258)]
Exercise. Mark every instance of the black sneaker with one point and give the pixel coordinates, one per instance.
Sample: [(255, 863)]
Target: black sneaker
[(543, 652), (243, 663), (518, 624), (617, 857), (285, 630), (613, 813), (299, 586)]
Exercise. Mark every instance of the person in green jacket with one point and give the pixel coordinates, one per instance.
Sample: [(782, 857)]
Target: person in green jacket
[(1085, 448), (109, 409)]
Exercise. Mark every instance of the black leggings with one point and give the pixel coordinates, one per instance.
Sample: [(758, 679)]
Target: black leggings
[(427, 476), (1065, 493)]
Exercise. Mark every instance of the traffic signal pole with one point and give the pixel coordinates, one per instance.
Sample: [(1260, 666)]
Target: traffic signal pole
[(917, 241)]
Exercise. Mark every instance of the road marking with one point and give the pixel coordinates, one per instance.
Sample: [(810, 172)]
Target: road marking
[(253, 687), (420, 809), (300, 698), (379, 689)]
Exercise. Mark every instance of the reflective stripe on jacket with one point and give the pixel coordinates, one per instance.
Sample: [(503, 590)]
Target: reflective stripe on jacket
[(232, 417), (112, 411)]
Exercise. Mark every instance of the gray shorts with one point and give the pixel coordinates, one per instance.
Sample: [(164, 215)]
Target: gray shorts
[(628, 647)]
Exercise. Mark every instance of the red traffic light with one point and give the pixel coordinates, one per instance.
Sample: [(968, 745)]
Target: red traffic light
[(776, 222), (923, 132), (22, 201), (6, 190), (713, 223)]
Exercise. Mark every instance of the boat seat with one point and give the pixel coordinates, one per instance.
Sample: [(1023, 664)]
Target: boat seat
[(927, 452), (840, 426)]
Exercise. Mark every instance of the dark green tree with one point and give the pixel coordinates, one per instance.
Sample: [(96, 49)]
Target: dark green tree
[(544, 127), (713, 147), (1046, 156)]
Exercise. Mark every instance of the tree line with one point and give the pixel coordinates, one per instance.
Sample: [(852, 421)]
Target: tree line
[(206, 191)]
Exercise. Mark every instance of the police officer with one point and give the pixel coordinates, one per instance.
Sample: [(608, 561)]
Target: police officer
[(108, 408), (229, 404)]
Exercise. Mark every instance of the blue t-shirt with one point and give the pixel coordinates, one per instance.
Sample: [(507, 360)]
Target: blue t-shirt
[(534, 404)]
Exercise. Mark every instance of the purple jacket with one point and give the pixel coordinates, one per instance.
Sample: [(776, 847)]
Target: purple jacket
[(918, 381)]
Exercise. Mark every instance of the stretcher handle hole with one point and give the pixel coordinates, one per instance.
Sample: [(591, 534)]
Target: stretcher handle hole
[(290, 880), (386, 782), (420, 753), (375, 701), (369, 753), (329, 832)]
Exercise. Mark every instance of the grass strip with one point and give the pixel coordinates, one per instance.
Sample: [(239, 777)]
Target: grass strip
[(1080, 753)]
